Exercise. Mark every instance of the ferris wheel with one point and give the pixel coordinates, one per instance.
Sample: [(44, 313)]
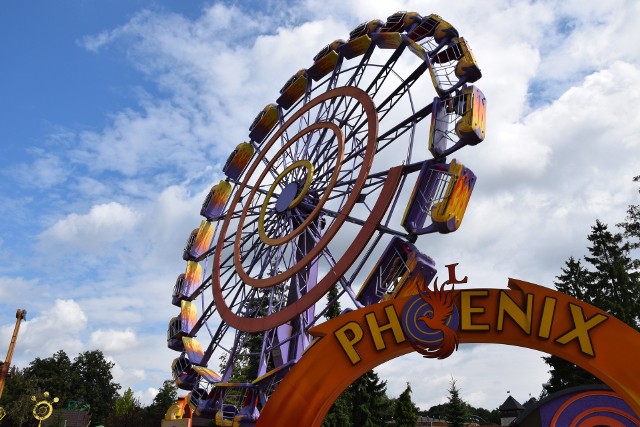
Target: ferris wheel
[(335, 184)]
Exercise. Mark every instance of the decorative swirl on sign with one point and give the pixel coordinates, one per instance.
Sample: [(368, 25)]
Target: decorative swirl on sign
[(430, 320), (590, 408)]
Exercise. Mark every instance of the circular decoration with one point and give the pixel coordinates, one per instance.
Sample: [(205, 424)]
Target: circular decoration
[(417, 330), (589, 409), (277, 256), (42, 410)]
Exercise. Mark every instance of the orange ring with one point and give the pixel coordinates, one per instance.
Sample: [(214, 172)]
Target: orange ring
[(308, 299)]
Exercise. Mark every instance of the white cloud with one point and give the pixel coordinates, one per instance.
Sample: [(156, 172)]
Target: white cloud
[(58, 327), (112, 340), (483, 373), (14, 290), (47, 170), (93, 232)]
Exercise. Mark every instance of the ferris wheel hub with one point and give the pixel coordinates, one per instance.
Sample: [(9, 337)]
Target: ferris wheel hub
[(298, 177), (286, 197)]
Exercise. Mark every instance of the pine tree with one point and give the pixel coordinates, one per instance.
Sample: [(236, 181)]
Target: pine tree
[(368, 397), (334, 309), (405, 414), (340, 413), (611, 283), (631, 225), (565, 374), (614, 285), (364, 403), (456, 413), (574, 280)]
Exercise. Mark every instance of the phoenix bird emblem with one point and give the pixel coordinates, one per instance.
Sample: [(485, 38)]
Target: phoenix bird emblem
[(437, 318)]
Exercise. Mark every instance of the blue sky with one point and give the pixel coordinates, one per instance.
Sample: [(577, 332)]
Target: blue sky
[(116, 117)]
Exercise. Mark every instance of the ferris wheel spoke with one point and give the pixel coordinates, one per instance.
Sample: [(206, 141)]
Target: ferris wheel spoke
[(359, 70), (273, 172), (346, 286), (250, 211), (360, 222), (206, 314), (401, 128), (201, 288), (320, 159), (386, 70), (258, 256), (402, 89), (215, 343), (230, 238), (284, 140), (343, 179)]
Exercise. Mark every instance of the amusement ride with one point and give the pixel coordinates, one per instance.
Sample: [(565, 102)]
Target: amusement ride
[(337, 181)]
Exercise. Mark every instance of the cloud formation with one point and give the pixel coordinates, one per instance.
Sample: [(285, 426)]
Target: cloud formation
[(92, 232)]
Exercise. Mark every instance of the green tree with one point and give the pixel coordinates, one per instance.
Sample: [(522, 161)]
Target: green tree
[(334, 309), (246, 363), (16, 399), (574, 281), (368, 399), (126, 404), (615, 286), (167, 396), (631, 225), (405, 414), (457, 411), (484, 416), (340, 413), (365, 402), (55, 375), (610, 281), (95, 384)]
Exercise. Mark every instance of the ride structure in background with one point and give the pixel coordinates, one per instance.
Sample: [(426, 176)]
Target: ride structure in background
[(4, 367), (43, 408), (337, 181)]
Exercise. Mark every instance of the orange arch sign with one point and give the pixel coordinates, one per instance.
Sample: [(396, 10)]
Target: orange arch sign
[(525, 315)]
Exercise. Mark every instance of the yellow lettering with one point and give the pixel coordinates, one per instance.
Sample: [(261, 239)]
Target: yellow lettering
[(349, 343), (547, 317), (467, 310), (581, 330), (508, 306), (377, 329)]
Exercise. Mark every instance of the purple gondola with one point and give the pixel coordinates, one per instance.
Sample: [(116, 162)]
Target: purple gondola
[(238, 160), (184, 376), (187, 283), (442, 192), (214, 203), (399, 262), (198, 242)]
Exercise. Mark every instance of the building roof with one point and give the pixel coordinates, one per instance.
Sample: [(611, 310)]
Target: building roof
[(511, 404)]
